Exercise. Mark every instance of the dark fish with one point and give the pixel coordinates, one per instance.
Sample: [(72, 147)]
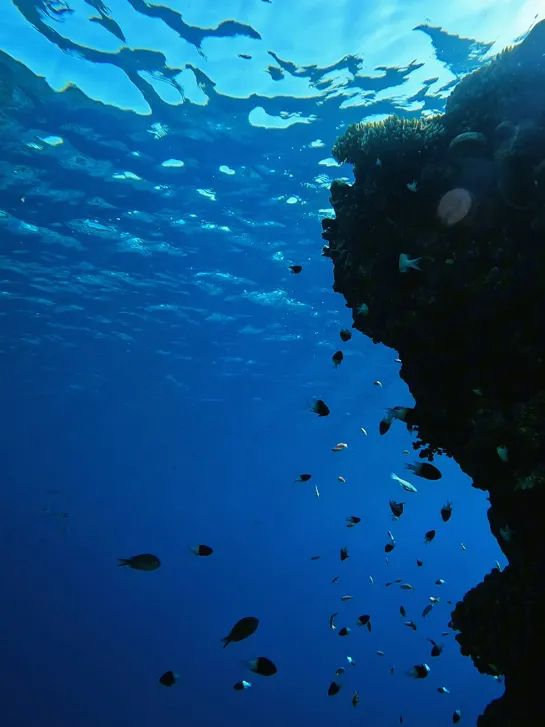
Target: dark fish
[(457, 716), (168, 678), (427, 610), (335, 579), (337, 358), (241, 630), (344, 631), (245, 56), (203, 550), (303, 478), (385, 424), (363, 620), (355, 699), (446, 512), (389, 547), (402, 611), (321, 408), (239, 686), (345, 335), (429, 536), (344, 553), (396, 508), (263, 666), (315, 557), (425, 470), (419, 563), (411, 625), (296, 269), (334, 688), (144, 561), (436, 649), (419, 671), (353, 520)]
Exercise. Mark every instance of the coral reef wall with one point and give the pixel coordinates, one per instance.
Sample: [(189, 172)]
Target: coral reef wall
[(439, 250)]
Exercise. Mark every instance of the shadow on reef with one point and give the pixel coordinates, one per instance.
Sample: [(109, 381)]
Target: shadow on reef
[(439, 249)]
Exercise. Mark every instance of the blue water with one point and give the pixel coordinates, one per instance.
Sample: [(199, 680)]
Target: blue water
[(159, 363)]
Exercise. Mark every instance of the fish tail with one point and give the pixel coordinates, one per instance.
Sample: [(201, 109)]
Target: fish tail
[(124, 561), (226, 641)]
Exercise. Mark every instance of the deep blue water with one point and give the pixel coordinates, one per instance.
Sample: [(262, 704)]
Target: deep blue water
[(159, 364)]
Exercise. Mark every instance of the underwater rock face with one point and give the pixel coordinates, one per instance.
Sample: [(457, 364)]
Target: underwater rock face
[(442, 239)]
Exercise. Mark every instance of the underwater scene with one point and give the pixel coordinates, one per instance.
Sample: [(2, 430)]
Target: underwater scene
[(273, 363)]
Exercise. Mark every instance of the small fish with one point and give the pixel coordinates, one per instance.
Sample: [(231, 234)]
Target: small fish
[(337, 358), (419, 563), (434, 600), (203, 550), (392, 670), (240, 686), (296, 269), (168, 679), (315, 557), (396, 508), (144, 561), (398, 580), (377, 383), (446, 512), (439, 582), (404, 484), (363, 431), (456, 716), (371, 580), (352, 520), (436, 649), (355, 699), (362, 310), (316, 491), (320, 408), (380, 653), (303, 478), (262, 666), (351, 661), (243, 628), (400, 719), (363, 620), (411, 624), (332, 620), (334, 688), (344, 631), (498, 566), (344, 553), (246, 58), (391, 536), (406, 587), (425, 470), (335, 579), (429, 536), (346, 598), (503, 453), (406, 264), (412, 186), (443, 690), (340, 671), (389, 547), (427, 610), (345, 335), (341, 479), (402, 611), (339, 447), (463, 546), (419, 671)]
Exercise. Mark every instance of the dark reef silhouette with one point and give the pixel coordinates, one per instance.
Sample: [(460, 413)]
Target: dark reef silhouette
[(463, 196)]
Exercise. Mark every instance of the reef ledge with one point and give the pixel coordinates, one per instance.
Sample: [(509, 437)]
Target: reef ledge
[(439, 249)]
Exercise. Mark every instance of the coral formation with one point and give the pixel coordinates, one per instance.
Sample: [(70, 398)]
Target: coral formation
[(465, 195)]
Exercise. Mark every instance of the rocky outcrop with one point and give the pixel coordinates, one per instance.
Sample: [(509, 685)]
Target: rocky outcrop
[(439, 250)]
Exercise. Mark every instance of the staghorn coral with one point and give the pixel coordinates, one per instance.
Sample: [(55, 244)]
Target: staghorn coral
[(469, 326), (394, 138)]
